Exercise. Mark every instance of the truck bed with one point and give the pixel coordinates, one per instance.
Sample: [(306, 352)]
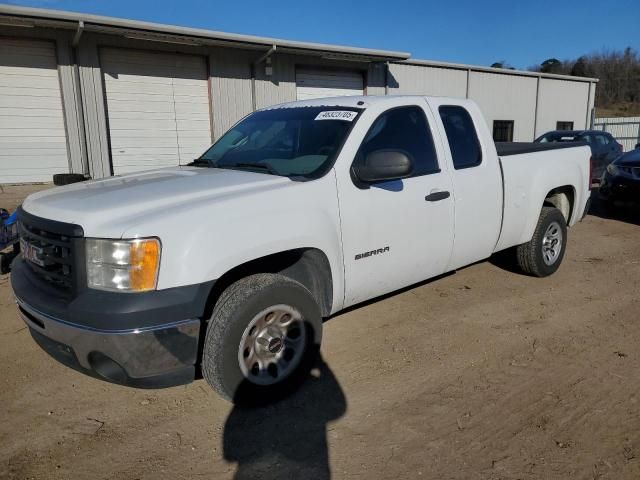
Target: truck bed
[(530, 171), (505, 149)]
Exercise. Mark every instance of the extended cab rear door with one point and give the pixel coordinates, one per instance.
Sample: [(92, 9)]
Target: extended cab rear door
[(399, 232), (476, 177)]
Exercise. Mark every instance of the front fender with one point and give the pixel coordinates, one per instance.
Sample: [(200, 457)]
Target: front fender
[(201, 243)]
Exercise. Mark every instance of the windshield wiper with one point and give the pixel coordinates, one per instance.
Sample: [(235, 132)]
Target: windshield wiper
[(259, 166), (200, 162)]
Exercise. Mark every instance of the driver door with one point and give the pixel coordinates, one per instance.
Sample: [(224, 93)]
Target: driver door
[(397, 233)]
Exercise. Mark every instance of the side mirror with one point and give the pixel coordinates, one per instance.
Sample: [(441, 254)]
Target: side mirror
[(383, 165)]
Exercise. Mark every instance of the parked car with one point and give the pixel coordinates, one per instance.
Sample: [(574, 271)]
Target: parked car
[(604, 148), (621, 180), (297, 212)]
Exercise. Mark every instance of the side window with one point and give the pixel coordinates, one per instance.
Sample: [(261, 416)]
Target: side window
[(601, 140), (587, 138), (503, 130), (405, 129), (462, 136), (564, 125)]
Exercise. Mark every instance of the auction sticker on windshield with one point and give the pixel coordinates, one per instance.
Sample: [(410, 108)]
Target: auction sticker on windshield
[(345, 115)]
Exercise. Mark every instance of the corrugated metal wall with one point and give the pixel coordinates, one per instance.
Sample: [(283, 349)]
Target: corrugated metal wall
[(230, 73), (506, 97), (408, 79), (626, 130), (376, 79), (562, 101), (502, 96), (281, 86)]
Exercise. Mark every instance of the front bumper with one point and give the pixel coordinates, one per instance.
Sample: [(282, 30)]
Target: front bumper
[(620, 188), (152, 357), (146, 340)]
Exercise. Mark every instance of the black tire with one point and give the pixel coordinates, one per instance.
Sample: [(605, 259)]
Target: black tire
[(5, 263), (530, 256), (60, 179), (233, 312)]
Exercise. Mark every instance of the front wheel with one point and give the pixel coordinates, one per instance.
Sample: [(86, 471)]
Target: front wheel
[(543, 254), (262, 338)]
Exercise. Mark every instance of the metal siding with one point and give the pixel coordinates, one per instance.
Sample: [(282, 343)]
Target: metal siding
[(592, 103), (562, 100), (72, 107), (158, 107), (376, 79), (33, 143), (281, 86), (422, 80), (230, 74), (506, 97), (93, 109), (625, 130)]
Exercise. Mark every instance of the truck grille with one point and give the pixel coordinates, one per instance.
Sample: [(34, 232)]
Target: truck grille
[(50, 250)]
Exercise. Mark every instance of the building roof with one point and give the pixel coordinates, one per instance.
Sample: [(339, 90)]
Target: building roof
[(25, 16)]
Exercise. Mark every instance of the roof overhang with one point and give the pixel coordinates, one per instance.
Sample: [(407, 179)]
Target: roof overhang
[(36, 17)]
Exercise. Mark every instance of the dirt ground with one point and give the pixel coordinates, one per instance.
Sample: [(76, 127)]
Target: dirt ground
[(482, 374)]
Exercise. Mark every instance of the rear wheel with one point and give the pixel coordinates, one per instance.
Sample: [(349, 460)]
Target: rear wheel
[(543, 255), (262, 338)]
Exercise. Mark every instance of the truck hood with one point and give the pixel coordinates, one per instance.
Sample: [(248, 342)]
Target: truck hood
[(106, 207)]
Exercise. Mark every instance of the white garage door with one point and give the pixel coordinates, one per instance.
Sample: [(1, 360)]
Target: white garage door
[(33, 143), (157, 107), (328, 83)]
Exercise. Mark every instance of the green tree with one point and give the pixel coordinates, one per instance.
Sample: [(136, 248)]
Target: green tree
[(551, 65), (580, 68)]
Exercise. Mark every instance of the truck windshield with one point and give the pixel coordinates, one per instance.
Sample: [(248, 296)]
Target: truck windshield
[(292, 142)]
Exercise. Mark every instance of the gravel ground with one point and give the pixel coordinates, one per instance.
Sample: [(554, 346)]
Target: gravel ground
[(484, 373)]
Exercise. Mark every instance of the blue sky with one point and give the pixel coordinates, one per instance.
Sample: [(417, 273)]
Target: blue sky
[(464, 31)]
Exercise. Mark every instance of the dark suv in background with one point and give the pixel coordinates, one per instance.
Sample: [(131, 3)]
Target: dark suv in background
[(604, 148)]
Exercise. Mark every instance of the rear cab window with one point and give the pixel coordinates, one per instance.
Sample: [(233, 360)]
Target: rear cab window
[(466, 151)]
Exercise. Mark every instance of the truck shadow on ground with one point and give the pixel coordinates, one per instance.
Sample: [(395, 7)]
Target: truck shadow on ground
[(286, 439)]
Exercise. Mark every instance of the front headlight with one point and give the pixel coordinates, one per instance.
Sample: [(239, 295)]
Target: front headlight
[(123, 265), (613, 169)]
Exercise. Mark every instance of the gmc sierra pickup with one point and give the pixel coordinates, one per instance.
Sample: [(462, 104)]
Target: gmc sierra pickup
[(227, 266)]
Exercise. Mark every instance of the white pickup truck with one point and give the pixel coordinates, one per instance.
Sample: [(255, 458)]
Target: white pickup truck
[(227, 267)]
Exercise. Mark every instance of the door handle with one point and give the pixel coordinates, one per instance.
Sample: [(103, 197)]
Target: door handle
[(437, 196)]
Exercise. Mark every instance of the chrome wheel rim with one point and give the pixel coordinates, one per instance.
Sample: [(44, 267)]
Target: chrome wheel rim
[(552, 243), (272, 345)]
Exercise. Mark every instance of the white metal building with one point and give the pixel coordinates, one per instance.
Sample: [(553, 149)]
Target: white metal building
[(102, 96)]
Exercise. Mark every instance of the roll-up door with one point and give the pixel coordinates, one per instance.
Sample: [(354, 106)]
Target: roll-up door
[(313, 83), (157, 107), (33, 143)]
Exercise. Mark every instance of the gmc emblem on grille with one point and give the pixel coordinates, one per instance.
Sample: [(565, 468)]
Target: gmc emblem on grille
[(31, 252)]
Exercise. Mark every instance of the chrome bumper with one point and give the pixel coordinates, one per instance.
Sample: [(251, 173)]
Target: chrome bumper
[(158, 356)]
